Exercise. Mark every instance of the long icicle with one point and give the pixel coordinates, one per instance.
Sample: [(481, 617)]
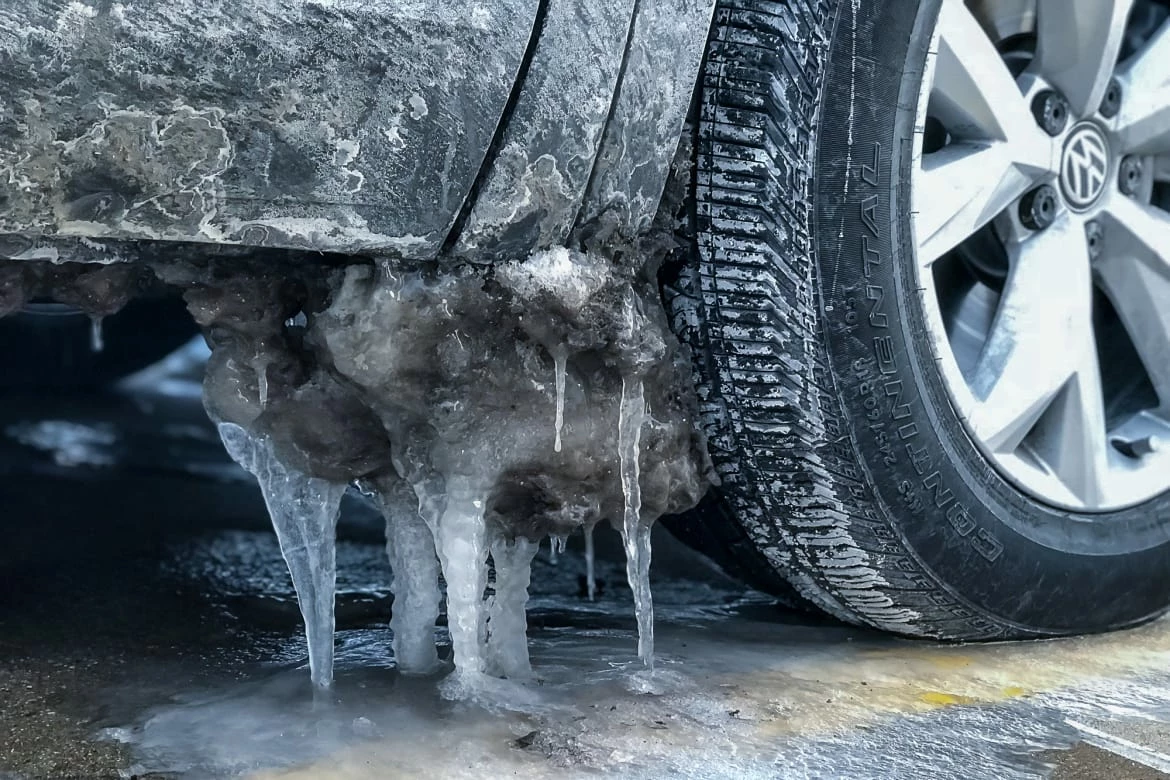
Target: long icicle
[(560, 360), (590, 575), (507, 645), (636, 534), (410, 546), (304, 514), (461, 540)]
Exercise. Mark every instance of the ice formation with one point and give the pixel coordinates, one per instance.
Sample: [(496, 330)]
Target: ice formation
[(436, 381), (410, 546), (507, 641), (635, 533), (560, 358), (461, 539), (304, 513)]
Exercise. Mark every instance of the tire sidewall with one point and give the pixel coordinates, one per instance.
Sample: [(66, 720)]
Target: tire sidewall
[(1017, 560)]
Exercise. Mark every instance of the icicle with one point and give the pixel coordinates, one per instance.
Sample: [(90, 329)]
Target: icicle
[(507, 645), (411, 549), (461, 540), (636, 535), (304, 513), (97, 341), (553, 552), (260, 366), (590, 578), (560, 359)]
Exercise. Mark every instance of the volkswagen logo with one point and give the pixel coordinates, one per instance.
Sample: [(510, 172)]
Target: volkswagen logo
[(1085, 166)]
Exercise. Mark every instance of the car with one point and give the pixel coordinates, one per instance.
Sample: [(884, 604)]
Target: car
[(919, 255)]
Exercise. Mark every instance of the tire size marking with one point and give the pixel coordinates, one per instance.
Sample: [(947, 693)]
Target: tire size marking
[(883, 394)]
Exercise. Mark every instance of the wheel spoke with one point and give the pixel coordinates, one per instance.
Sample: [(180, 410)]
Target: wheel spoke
[(1071, 438), (1135, 273), (1143, 125), (997, 152), (1077, 45), (961, 188), (1040, 338), (974, 94)]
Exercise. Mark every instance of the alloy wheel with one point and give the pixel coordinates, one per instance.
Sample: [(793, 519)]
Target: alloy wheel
[(1041, 193)]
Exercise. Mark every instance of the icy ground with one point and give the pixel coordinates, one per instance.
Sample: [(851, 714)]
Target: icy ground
[(148, 625)]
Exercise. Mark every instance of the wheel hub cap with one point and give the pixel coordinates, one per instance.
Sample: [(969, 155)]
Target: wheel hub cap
[(1085, 166)]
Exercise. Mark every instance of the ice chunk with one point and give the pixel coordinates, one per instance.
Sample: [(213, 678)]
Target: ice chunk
[(304, 513), (442, 374), (410, 546), (635, 533), (507, 644)]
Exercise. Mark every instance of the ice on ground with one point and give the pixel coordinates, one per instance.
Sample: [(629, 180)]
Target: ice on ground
[(304, 513)]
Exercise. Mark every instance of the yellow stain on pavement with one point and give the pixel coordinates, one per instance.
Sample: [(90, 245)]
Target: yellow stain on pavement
[(940, 699)]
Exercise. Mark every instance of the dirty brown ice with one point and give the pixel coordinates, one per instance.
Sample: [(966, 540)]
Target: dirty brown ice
[(486, 409)]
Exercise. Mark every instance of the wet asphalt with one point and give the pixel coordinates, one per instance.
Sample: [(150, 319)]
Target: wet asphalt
[(148, 628)]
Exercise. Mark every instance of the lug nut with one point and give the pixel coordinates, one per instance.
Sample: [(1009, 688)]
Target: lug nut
[(1038, 208), (1139, 448), (1051, 112), (1095, 238), (1111, 103), (1130, 175)]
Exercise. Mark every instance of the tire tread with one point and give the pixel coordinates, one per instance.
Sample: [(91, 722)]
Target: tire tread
[(792, 483)]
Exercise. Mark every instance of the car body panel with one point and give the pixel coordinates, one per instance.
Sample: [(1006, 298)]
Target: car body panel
[(318, 124), (533, 192), (662, 65), (410, 128)]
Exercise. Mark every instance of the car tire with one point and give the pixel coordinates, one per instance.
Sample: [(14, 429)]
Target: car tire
[(843, 456)]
